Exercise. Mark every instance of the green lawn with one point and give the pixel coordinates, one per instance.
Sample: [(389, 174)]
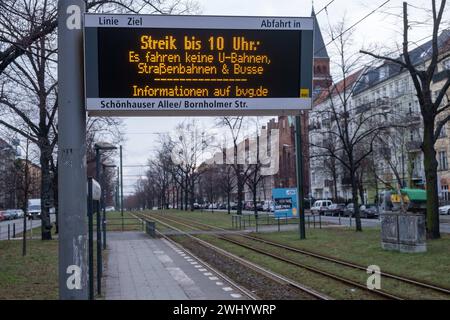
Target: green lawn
[(34, 276)]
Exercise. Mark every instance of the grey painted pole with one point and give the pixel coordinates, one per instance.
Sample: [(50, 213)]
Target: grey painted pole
[(72, 182), (99, 206), (121, 186), (299, 158)]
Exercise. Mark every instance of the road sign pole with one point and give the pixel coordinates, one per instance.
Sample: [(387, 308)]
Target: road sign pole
[(90, 206), (121, 186), (299, 158), (72, 182)]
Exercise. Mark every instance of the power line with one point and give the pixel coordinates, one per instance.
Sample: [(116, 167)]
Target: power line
[(353, 25), (325, 7)]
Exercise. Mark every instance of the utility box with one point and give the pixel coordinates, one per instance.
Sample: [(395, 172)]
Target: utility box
[(150, 228), (404, 232)]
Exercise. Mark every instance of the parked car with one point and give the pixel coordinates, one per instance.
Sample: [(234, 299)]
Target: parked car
[(335, 209), (11, 214), (348, 211), (320, 206), (223, 206), (109, 208), (2, 216), (233, 205), (444, 210), (20, 213), (196, 205), (368, 211), (266, 205)]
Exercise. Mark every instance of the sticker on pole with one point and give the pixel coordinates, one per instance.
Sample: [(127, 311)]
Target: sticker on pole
[(159, 65)]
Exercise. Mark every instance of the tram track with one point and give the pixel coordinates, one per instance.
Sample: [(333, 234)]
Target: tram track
[(280, 279), (410, 281)]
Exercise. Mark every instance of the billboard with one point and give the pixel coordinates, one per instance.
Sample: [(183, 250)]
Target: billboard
[(285, 203), (159, 65)]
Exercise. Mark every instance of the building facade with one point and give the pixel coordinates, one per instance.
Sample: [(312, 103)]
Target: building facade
[(397, 158)]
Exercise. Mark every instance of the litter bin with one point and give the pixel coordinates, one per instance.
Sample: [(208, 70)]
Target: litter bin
[(150, 228)]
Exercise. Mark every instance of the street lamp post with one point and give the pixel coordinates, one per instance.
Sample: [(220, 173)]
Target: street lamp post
[(104, 210), (98, 147)]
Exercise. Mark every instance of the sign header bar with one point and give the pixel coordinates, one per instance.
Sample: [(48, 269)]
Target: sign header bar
[(197, 22)]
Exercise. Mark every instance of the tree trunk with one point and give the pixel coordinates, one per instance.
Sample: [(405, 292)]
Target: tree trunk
[(240, 190), (430, 165), (46, 190), (228, 202), (355, 201), (255, 210)]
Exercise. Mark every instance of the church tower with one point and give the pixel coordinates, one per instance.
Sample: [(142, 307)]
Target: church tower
[(321, 76)]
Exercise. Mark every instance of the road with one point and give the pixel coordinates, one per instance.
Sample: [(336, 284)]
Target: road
[(19, 226)]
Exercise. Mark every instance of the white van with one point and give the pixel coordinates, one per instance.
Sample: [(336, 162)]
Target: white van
[(320, 206), (34, 208)]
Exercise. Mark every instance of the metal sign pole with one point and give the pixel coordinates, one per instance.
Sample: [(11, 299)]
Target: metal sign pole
[(72, 180), (90, 208), (121, 186), (299, 156)]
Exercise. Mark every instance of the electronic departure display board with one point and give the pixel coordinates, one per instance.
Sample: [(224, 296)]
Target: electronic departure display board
[(197, 65)]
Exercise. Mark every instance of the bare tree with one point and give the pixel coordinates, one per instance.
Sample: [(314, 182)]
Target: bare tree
[(350, 136), (432, 107)]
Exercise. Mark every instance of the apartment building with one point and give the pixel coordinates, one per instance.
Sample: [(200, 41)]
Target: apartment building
[(388, 90)]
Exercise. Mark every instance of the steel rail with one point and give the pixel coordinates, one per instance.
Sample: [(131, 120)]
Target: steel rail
[(304, 266), (408, 280)]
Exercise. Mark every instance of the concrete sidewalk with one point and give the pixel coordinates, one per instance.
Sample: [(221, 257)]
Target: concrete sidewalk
[(142, 268)]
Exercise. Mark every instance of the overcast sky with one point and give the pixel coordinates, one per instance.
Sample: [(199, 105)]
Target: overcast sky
[(382, 29)]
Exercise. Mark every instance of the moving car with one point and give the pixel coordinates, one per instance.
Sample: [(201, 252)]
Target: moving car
[(444, 210), (320, 206)]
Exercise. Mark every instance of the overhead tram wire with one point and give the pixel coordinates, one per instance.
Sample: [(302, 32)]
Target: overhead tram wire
[(325, 7), (353, 25)]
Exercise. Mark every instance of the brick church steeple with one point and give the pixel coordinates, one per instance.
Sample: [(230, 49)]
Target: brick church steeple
[(321, 77)]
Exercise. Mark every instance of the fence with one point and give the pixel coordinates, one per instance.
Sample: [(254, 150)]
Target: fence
[(243, 222)]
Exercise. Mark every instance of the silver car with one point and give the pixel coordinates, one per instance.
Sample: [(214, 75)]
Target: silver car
[(444, 210)]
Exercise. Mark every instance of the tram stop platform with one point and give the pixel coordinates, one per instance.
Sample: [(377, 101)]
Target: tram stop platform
[(143, 268)]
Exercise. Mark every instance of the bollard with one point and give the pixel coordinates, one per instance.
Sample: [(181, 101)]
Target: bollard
[(314, 221), (232, 222), (339, 218), (249, 224), (9, 232), (350, 217), (256, 219), (278, 225), (320, 221), (309, 221), (14, 230), (240, 222), (244, 223)]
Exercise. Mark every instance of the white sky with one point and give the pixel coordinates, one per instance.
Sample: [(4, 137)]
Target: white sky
[(381, 29)]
